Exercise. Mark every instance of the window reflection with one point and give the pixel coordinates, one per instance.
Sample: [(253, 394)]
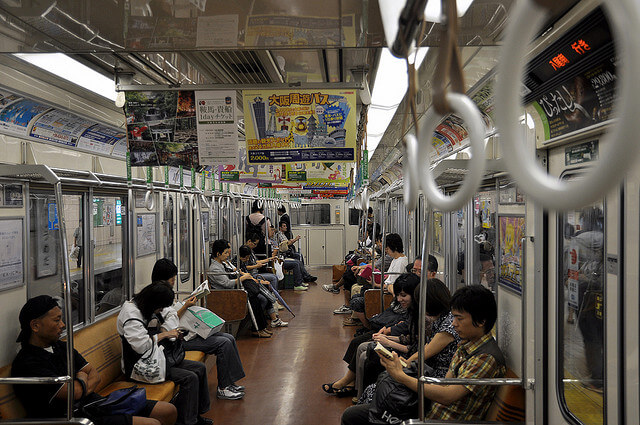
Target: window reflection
[(582, 297), (45, 274), (484, 238), (167, 228), (185, 257), (108, 236)]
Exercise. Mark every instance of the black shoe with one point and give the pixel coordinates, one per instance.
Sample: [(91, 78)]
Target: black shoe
[(310, 279), (204, 421)]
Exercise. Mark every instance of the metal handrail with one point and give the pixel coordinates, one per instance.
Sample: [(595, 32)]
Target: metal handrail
[(471, 381), (36, 380)]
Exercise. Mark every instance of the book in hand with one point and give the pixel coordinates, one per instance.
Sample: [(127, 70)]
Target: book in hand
[(384, 352), (201, 291)]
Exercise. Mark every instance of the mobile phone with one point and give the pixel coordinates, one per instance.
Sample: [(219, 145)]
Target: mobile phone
[(183, 332)]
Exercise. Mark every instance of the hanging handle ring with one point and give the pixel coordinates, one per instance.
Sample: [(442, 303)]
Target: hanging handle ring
[(464, 107), (149, 200), (620, 148), (411, 172)]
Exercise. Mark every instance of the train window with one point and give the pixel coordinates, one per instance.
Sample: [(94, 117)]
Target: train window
[(354, 217), (167, 228), (185, 257), (311, 214), (107, 243), (581, 328), (484, 238), (45, 275)]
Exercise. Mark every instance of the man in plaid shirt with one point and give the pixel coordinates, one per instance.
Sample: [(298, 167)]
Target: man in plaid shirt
[(478, 356)]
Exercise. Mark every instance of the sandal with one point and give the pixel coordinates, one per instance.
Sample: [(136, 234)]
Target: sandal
[(328, 388), (346, 391)]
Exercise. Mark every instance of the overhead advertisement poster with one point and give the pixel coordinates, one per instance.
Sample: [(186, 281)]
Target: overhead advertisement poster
[(285, 126), (34, 120), (217, 130), (319, 176)]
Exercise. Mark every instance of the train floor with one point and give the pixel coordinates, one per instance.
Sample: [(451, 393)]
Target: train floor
[(284, 373)]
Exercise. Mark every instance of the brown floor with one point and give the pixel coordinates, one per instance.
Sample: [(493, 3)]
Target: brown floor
[(285, 373)]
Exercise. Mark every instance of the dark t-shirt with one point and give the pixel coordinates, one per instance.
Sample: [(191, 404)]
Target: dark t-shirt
[(39, 399)]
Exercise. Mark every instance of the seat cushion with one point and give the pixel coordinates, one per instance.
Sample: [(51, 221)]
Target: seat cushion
[(196, 356), (162, 392)]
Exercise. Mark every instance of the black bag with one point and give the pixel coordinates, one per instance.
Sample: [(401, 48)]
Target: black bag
[(394, 402), (128, 401), (387, 318), (173, 350)]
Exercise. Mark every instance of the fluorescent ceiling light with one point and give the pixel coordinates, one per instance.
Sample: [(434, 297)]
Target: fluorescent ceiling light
[(389, 89), (71, 70), (390, 12)]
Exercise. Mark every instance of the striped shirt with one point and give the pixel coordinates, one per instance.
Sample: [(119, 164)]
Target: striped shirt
[(474, 405)]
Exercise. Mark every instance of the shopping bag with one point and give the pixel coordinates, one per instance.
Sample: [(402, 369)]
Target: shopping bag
[(338, 271), (277, 265), (75, 251), (201, 321), (151, 367)]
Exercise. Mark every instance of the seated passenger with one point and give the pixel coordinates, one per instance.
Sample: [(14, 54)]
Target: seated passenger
[(259, 267), (192, 400), (290, 253), (395, 250), (218, 275), (478, 356), (300, 274), (221, 344), (44, 355), (404, 286)]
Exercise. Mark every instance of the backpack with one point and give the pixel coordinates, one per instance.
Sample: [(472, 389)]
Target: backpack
[(255, 228)]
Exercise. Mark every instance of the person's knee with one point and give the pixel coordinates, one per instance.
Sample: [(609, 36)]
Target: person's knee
[(165, 413)]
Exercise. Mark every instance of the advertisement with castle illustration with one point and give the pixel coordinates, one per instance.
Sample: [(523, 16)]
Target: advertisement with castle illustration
[(287, 126)]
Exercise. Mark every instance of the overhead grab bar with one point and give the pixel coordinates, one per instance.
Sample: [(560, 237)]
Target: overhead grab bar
[(620, 148)]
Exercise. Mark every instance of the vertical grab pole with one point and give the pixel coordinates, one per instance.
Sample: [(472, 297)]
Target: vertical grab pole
[(422, 309), (384, 247), (236, 227), (373, 253), (66, 283)]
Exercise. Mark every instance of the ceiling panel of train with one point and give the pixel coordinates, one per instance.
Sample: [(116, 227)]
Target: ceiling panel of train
[(242, 42)]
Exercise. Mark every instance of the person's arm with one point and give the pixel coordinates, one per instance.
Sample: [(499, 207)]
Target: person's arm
[(189, 302), (93, 377), (384, 340), (443, 394), (437, 344)]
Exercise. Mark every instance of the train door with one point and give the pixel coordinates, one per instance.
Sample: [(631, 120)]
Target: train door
[(484, 239), (584, 304), (184, 239), (168, 227)]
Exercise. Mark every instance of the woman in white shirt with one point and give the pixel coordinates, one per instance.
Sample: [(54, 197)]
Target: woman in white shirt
[(395, 250)]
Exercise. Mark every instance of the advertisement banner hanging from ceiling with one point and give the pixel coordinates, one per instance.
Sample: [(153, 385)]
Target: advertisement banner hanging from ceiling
[(182, 128), (285, 126)]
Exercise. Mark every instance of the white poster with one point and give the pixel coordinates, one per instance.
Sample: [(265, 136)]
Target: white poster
[(11, 258), (146, 234), (217, 130)]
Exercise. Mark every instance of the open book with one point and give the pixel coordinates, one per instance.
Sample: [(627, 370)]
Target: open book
[(201, 291), (383, 351)]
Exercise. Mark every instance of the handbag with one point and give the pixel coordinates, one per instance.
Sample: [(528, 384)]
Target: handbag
[(394, 402), (150, 367), (173, 349), (338, 271), (126, 401)]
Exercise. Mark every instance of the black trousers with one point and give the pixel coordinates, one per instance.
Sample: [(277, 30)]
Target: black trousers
[(350, 354), (258, 312), (193, 397)]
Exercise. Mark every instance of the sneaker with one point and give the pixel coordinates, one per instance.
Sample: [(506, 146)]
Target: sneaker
[(300, 288), (237, 388), (331, 288), (279, 323), (228, 393), (342, 310)]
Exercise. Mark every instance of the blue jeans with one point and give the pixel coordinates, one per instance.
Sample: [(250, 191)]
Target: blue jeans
[(271, 278), (228, 363)]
